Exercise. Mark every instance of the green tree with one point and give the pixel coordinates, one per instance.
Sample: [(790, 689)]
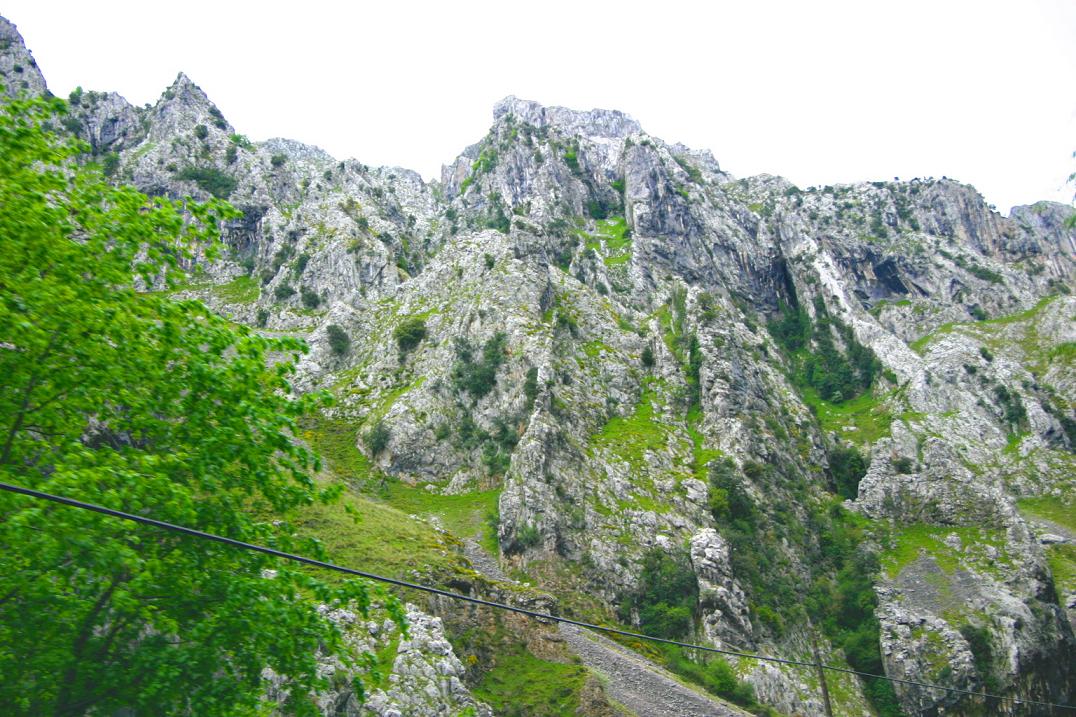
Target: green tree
[(152, 406), (409, 333), (339, 341)]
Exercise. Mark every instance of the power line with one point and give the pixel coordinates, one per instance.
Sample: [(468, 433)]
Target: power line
[(488, 603)]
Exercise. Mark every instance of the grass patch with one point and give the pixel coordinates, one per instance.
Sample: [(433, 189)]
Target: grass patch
[(366, 535), (336, 442), (632, 436), (611, 239), (240, 290), (522, 684), (861, 420), (464, 515), (700, 455), (1062, 560), (913, 540), (980, 327), (1058, 510)]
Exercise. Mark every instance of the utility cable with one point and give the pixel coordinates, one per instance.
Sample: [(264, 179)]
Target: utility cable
[(488, 603)]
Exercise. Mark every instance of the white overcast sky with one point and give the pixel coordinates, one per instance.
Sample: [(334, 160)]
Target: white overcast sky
[(819, 92)]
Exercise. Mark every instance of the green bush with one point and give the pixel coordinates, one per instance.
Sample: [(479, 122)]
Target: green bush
[(310, 298), (110, 163), (530, 386), (211, 180), (478, 375), (667, 594), (903, 465), (200, 131), (848, 468), (817, 362), (409, 333), (283, 291), (526, 537), (647, 358), (1014, 413), (262, 317), (278, 160), (339, 341), (377, 438)]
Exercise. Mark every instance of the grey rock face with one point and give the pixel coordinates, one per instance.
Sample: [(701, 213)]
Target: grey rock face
[(19, 72), (607, 124), (424, 678)]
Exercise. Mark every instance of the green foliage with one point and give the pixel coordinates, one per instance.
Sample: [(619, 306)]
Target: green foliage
[(904, 465), (496, 217), (521, 685), (477, 375), (1013, 411), (241, 141), (486, 162), (818, 363), (409, 333), (526, 537), (201, 131), (218, 118), (571, 158), (530, 386), (848, 467), (647, 357), (667, 594), (240, 290), (693, 172), (310, 298), (631, 437), (842, 600), (339, 341), (715, 675), (147, 405), (278, 160), (377, 438), (729, 500), (982, 652), (211, 180), (283, 292), (791, 329), (262, 317), (110, 163)]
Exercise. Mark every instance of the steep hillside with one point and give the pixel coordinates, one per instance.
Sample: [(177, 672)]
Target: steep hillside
[(768, 418)]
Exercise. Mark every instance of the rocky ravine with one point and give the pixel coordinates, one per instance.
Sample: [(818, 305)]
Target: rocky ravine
[(649, 357)]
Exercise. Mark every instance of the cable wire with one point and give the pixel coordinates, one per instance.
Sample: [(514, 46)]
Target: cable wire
[(488, 603)]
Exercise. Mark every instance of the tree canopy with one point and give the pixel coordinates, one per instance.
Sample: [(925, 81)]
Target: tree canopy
[(149, 405)]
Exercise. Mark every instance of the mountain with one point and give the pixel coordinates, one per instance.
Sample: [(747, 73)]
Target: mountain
[(740, 412)]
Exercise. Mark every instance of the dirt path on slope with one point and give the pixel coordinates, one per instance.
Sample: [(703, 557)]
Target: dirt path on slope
[(631, 680)]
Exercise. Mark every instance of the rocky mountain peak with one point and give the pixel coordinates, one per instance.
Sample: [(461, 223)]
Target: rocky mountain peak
[(185, 91), (18, 69), (611, 124)]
